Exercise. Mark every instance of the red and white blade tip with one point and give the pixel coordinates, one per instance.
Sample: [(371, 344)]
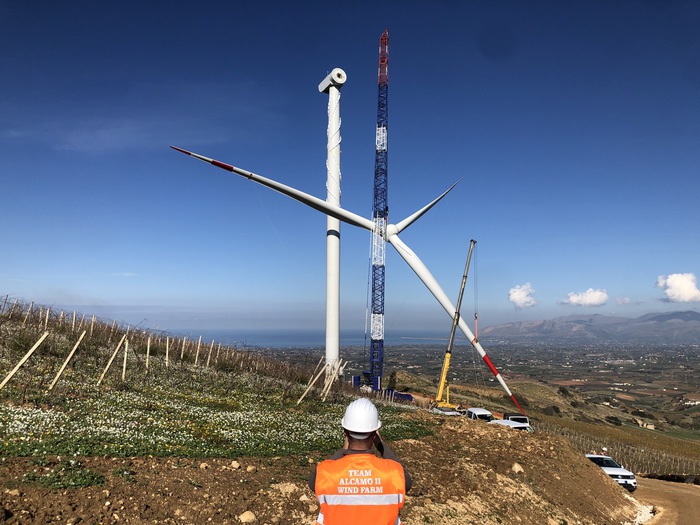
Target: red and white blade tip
[(182, 150)]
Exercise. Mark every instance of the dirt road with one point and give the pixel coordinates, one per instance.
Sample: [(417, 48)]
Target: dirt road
[(674, 503)]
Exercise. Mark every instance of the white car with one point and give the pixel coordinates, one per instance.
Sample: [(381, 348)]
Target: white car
[(517, 425), (479, 413), (613, 469)]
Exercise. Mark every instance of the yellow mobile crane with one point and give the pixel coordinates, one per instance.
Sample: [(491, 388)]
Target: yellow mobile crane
[(444, 387)]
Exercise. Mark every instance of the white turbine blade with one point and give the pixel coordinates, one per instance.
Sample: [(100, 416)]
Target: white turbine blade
[(314, 202), (392, 236), (401, 226), (421, 270)]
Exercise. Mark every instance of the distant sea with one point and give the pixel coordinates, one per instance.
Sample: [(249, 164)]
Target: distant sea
[(304, 338)]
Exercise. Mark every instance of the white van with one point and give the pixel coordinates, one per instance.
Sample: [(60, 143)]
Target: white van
[(479, 413)]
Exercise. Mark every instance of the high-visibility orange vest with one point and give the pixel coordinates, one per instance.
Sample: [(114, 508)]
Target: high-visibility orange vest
[(360, 488)]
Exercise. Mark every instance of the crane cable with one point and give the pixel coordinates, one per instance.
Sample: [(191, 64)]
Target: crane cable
[(476, 297), (477, 369)]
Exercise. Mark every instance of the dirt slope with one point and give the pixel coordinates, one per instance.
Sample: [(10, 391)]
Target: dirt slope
[(674, 503), (467, 472)]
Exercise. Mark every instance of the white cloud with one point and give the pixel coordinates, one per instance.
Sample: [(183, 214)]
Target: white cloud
[(590, 297), (623, 300), (679, 287), (522, 296)]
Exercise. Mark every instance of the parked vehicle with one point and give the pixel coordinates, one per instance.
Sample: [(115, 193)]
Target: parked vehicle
[(479, 413), (446, 411), (516, 416), (613, 469), (517, 425)]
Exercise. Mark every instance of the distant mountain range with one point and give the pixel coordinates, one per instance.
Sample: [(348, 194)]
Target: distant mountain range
[(673, 327)]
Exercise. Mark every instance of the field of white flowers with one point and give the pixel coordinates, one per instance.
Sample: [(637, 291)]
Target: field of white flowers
[(162, 420), (178, 408)]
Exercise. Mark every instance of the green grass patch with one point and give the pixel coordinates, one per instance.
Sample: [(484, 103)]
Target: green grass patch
[(67, 474)]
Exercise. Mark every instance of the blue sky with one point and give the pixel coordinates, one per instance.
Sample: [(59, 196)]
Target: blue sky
[(573, 126)]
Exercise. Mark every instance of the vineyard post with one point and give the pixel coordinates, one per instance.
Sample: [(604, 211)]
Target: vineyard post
[(81, 322), (111, 332), (23, 360), (210, 349), (126, 351), (111, 359), (4, 302), (12, 310), (73, 325), (218, 349), (182, 352), (92, 324), (66, 361), (148, 351), (29, 311), (167, 352), (196, 357)]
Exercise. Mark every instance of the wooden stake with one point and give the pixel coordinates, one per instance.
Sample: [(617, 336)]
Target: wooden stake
[(46, 322), (126, 351), (148, 351), (315, 370), (167, 352), (196, 357), (81, 322), (210, 349), (182, 352), (12, 310), (218, 349), (73, 326), (311, 383), (92, 324), (66, 362), (114, 323), (29, 311), (111, 359), (23, 360), (330, 379)]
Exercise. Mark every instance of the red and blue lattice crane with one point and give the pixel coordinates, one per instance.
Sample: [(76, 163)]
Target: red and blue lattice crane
[(380, 217)]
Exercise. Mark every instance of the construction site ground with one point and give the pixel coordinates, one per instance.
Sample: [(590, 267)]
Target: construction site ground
[(466, 472)]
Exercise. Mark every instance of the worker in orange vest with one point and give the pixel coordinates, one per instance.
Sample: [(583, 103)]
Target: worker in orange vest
[(355, 485)]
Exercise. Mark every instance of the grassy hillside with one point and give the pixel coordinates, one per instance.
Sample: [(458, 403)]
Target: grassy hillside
[(196, 431)]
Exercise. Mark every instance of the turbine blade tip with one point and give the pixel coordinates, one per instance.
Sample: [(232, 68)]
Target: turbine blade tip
[(181, 150)]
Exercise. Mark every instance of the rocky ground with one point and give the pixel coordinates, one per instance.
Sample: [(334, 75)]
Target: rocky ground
[(467, 472)]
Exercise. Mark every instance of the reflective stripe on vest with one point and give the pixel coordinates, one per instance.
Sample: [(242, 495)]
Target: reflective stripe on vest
[(365, 499), (319, 520), (360, 488)]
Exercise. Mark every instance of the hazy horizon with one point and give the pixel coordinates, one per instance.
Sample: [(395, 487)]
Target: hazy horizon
[(572, 128)]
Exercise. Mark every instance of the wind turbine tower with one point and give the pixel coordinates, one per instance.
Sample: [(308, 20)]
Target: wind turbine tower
[(380, 216)]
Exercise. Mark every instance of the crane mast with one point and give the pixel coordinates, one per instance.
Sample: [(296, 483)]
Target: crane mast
[(444, 387), (380, 215)]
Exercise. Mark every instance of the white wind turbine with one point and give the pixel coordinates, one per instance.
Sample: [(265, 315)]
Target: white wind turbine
[(392, 236)]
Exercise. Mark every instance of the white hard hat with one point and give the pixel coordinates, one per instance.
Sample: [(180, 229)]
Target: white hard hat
[(361, 417)]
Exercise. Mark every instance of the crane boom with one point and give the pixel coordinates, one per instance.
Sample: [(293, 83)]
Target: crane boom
[(380, 217), (443, 387)]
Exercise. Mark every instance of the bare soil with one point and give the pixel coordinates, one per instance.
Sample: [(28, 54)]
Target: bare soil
[(674, 503), (467, 472)]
